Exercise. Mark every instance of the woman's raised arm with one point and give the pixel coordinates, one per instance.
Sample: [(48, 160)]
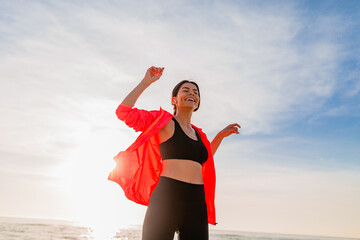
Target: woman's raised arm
[(151, 75), (230, 129)]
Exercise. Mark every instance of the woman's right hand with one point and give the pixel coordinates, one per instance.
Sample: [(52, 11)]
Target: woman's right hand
[(153, 74)]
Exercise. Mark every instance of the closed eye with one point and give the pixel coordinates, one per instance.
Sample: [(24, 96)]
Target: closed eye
[(194, 92)]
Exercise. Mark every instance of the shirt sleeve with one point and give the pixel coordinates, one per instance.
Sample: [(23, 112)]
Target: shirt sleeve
[(138, 119)]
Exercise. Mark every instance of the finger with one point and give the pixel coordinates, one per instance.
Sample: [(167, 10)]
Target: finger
[(235, 124), (232, 130), (235, 129), (155, 71)]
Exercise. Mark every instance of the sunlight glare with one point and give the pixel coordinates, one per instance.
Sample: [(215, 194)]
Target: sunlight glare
[(95, 202)]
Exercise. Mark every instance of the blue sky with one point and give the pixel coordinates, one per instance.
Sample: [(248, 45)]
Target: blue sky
[(286, 71)]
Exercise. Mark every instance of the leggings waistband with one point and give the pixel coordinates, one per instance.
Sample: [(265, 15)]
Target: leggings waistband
[(175, 180), (180, 190)]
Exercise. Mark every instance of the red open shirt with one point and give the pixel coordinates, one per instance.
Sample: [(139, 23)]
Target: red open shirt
[(138, 168)]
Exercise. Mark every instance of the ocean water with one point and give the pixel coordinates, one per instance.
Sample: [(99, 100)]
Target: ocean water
[(37, 229)]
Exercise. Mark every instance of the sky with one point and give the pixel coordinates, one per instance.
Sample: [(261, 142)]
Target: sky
[(286, 71)]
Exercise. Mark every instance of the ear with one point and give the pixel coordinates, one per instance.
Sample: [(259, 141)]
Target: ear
[(173, 100)]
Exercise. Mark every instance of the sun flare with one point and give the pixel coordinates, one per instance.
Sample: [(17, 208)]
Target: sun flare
[(94, 201)]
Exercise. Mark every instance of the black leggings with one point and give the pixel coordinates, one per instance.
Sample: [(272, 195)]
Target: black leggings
[(176, 206)]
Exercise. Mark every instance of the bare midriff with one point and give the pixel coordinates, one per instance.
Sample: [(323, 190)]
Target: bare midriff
[(183, 170)]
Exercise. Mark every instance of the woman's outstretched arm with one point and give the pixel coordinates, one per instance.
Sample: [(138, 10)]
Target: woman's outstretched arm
[(230, 129), (138, 119), (152, 75)]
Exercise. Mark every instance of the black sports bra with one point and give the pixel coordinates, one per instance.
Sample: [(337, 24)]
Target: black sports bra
[(180, 146)]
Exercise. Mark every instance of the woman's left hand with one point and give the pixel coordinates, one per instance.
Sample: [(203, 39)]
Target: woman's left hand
[(230, 129)]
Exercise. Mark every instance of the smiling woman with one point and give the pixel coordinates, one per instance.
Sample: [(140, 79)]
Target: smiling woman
[(170, 167), (181, 90)]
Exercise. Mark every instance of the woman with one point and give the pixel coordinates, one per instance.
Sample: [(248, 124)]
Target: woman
[(170, 166)]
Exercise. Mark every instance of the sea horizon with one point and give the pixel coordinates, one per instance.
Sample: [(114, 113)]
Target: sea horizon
[(85, 231)]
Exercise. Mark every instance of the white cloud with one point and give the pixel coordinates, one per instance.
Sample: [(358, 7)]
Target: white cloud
[(252, 62), (337, 111)]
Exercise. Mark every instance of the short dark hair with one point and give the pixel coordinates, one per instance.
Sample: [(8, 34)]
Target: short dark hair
[(177, 88)]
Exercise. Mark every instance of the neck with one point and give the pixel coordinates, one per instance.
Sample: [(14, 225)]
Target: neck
[(183, 116)]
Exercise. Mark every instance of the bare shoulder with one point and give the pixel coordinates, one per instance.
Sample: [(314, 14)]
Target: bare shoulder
[(167, 131)]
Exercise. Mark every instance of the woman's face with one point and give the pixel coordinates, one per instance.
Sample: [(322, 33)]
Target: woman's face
[(188, 96)]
